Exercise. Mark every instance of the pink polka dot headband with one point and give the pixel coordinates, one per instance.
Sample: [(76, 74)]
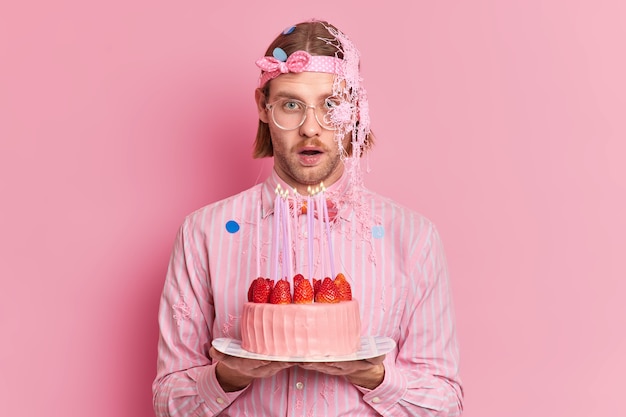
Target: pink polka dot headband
[(299, 61)]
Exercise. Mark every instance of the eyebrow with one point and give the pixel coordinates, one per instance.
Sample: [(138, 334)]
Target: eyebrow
[(287, 94)]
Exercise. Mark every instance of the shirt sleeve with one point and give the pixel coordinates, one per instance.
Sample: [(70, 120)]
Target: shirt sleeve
[(185, 383), (423, 378)]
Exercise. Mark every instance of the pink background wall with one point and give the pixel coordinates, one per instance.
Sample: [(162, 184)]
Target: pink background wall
[(503, 121)]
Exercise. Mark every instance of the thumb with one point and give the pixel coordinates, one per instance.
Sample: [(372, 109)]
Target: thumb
[(216, 355)]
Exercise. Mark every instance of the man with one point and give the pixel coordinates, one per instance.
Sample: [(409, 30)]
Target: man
[(314, 121)]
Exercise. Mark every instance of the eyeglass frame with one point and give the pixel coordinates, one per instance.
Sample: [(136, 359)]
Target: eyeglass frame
[(271, 106)]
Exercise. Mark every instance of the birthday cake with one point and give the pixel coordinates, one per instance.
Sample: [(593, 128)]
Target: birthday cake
[(319, 319)]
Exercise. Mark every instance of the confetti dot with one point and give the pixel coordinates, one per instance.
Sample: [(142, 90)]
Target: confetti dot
[(289, 30), (279, 54), (232, 226), (378, 232)]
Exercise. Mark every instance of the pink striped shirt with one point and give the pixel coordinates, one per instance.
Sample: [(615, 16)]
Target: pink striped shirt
[(392, 257)]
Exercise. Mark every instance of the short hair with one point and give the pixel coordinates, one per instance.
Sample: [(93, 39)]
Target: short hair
[(312, 37)]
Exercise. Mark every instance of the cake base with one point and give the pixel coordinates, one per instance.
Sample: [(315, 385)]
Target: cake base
[(309, 330)]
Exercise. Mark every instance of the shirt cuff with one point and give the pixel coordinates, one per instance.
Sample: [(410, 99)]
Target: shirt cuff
[(211, 392), (388, 393)]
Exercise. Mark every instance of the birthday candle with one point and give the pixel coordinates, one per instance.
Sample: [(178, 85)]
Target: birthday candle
[(258, 240), (294, 217), (320, 217), (309, 223), (331, 254), (286, 244), (289, 245), (275, 235)]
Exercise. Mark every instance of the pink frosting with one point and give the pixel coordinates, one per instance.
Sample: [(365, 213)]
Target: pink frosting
[(308, 330)]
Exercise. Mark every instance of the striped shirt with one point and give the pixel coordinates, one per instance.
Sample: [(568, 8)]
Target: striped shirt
[(394, 261)]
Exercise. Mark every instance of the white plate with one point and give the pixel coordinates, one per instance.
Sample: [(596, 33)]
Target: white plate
[(371, 346)]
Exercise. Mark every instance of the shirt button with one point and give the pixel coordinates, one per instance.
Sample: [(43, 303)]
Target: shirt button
[(376, 400), (219, 400), (299, 385)]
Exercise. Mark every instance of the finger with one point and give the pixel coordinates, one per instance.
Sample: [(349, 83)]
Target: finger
[(330, 368), (377, 360), (216, 354)]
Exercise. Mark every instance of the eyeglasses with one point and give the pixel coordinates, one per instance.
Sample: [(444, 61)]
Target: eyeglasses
[(290, 114)]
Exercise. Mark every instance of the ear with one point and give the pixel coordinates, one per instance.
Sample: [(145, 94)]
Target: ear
[(259, 97)]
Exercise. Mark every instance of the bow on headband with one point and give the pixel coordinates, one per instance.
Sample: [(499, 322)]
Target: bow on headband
[(297, 62)]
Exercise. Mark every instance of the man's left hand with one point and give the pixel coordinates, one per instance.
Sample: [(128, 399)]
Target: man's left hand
[(367, 373)]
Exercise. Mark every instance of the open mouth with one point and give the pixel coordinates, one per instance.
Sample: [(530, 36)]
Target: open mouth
[(310, 157), (310, 152)]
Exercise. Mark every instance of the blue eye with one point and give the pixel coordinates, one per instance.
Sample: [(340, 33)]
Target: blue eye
[(332, 102), (292, 105)]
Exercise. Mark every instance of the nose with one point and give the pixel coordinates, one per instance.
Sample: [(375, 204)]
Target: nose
[(310, 127)]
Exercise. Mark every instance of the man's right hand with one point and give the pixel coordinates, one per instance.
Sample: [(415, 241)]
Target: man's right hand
[(235, 373)]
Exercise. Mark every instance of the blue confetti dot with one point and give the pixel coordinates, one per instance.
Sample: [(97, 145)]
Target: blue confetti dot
[(279, 54), (378, 232), (232, 226), (289, 30)]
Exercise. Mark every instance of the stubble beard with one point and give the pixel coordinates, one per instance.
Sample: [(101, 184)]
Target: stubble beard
[(311, 176)]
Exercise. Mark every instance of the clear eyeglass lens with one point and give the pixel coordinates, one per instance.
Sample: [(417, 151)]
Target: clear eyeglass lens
[(290, 114)]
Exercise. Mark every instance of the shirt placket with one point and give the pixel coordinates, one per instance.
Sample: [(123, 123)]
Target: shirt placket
[(297, 386)]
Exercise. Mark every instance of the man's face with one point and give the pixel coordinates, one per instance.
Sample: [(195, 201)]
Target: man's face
[(309, 154)]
